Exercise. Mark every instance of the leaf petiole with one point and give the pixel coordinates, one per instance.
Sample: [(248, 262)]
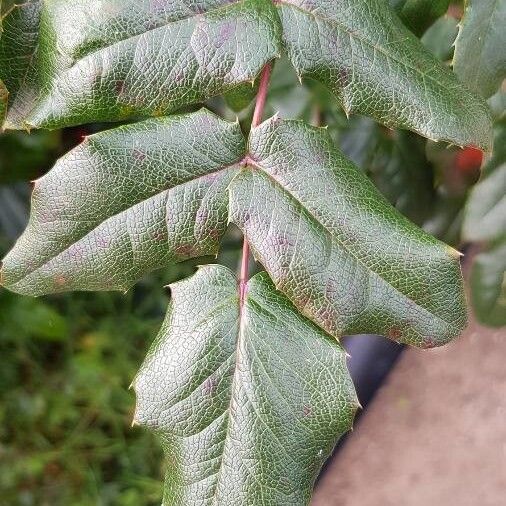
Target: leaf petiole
[(257, 118)]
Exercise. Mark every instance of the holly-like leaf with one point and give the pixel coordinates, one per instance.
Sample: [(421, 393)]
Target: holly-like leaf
[(336, 247), (488, 284), (127, 201), (135, 198), (480, 48), (418, 15), (485, 212), (18, 59), (248, 403), (440, 38), (375, 66), (106, 61)]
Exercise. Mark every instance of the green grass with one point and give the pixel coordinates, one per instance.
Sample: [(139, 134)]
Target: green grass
[(65, 414)]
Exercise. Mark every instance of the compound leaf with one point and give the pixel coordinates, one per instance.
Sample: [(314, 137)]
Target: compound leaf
[(488, 284), (344, 256), (248, 404), (109, 61), (127, 201), (480, 48), (375, 66)]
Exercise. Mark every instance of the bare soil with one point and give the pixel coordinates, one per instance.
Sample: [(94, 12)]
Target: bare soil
[(434, 435)]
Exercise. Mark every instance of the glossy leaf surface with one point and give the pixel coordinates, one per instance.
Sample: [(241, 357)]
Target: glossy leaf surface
[(480, 48), (394, 160), (113, 60), (377, 67), (248, 404), (127, 201), (336, 248), (109, 61), (18, 59)]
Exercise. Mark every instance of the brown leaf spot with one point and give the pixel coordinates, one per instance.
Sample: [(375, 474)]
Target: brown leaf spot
[(159, 236), (138, 155), (184, 250), (210, 386), (103, 241), (395, 333), (60, 280), (428, 342), (119, 87)]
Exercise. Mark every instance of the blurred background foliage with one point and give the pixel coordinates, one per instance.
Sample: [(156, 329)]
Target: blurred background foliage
[(66, 361)]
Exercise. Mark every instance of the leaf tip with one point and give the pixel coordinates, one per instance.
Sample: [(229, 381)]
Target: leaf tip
[(454, 253)]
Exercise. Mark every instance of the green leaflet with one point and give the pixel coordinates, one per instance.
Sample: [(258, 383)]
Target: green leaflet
[(241, 97), (135, 198), (248, 407), (418, 15), (109, 61), (127, 201), (485, 221), (377, 67), (18, 59), (440, 38), (488, 284), (485, 212), (117, 59), (480, 48), (336, 248)]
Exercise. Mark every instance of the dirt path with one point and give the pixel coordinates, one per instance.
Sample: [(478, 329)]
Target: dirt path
[(435, 435)]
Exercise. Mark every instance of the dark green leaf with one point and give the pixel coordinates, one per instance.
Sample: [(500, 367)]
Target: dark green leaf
[(336, 248), (248, 404), (127, 201), (109, 61), (485, 212), (25, 157), (377, 67), (241, 97), (480, 48), (418, 15), (18, 59), (440, 37), (488, 285)]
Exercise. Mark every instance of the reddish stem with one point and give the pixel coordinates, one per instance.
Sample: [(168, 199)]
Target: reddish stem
[(257, 118)]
